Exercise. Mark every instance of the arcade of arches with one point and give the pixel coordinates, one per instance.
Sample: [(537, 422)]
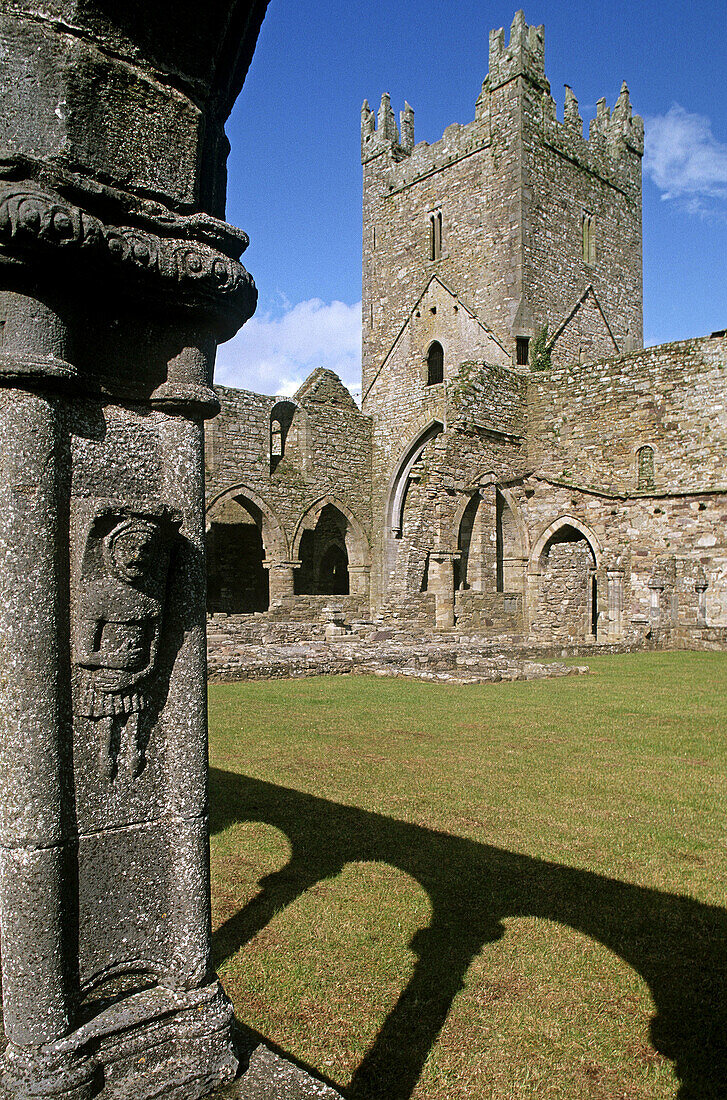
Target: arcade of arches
[(493, 505), (245, 552)]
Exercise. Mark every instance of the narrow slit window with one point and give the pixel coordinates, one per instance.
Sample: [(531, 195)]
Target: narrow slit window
[(435, 364), (522, 346), (435, 235), (276, 439), (588, 239)]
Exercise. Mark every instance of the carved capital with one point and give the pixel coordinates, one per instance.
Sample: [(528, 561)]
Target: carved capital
[(169, 255)]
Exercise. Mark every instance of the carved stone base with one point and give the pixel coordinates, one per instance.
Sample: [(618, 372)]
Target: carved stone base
[(149, 1045)]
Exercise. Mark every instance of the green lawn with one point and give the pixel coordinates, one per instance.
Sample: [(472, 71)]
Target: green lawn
[(494, 892)]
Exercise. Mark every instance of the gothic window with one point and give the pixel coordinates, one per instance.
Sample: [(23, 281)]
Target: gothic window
[(435, 235), (645, 467), (589, 242), (281, 417), (522, 348), (435, 364)]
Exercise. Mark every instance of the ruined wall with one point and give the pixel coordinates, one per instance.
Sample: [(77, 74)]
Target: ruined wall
[(327, 453), (483, 407), (587, 422), (649, 543)]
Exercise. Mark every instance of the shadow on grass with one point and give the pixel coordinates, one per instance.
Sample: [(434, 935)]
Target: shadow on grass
[(677, 945)]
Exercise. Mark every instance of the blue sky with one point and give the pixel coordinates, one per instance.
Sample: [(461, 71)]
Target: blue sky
[(295, 173)]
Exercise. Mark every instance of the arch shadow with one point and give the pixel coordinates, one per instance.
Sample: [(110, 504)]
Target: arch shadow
[(677, 945)]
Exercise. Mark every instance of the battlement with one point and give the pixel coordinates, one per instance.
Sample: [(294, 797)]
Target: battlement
[(611, 135), (523, 56), (385, 137)]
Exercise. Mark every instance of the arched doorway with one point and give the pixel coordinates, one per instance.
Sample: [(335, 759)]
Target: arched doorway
[(566, 560), (242, 533)]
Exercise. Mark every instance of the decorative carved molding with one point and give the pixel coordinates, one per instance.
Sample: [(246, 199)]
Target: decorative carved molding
[(33, 219)]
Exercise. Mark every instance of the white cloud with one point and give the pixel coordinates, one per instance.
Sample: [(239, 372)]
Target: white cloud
[(685, 160), (275, 354)]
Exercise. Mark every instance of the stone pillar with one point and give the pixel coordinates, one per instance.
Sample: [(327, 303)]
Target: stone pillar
[(359, 580), (441, 583), (615, 579), (281, 577), (117, 281)]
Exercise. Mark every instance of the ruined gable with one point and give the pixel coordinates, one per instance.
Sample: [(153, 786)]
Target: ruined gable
[(325, 387)]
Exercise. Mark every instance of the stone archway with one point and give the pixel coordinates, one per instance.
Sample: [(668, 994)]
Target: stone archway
[(333, 551), (243, 536), (564, 587)]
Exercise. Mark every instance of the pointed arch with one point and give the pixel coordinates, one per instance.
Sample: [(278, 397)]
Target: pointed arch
[(274, 538), (400, 479), (357, 543), (566, 521)]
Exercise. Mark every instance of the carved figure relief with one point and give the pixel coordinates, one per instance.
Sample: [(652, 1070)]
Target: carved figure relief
[(120, 609)]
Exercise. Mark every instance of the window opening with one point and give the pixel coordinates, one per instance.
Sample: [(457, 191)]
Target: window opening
[(588, 239), (522, 350), (281, 417), (435, 364), (645, 462), (435, 235)]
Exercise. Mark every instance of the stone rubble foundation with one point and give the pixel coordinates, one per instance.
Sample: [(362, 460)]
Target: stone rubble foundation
[(237, 651)]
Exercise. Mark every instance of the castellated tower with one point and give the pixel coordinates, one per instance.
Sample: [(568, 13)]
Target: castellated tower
[(516, 215)]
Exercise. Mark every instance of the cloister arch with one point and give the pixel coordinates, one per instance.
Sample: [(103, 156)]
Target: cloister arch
[(563, 522), (243, 535), (511, 547), (273, 532), (333, 550), (565, 581)]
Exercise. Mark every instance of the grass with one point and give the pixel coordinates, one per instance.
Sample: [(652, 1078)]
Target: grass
[(496, 892)]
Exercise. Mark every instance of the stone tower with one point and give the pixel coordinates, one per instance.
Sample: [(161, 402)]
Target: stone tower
[(516, 214)]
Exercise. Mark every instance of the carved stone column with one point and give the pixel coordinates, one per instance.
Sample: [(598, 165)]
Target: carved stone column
[(117, 281)]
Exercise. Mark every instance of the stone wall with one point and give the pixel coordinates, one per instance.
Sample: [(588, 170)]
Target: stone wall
[(469, 494), (494, 211), (326, 462), (588, 421)]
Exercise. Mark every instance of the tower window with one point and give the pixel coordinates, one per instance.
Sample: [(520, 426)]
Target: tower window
[(435, 235), (588, 239), (522, 345), (435, 364), (645, 467)]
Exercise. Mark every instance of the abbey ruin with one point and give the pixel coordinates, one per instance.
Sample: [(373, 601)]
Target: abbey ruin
[(521, 467)]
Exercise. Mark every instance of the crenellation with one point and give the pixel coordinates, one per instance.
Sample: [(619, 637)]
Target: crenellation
[(523, 56)]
